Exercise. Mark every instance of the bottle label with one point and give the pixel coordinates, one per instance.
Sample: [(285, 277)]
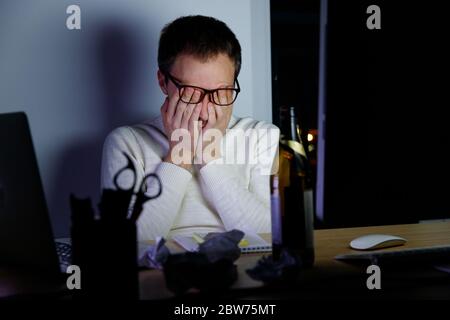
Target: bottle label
[(276, 219), (297, 147)]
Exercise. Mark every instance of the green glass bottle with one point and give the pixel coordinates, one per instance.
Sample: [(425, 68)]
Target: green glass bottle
[(292, 195)]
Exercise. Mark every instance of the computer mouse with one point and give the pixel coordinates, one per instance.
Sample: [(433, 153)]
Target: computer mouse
[(376, 241)]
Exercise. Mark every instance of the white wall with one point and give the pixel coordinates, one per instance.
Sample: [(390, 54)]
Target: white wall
[(76, 86)]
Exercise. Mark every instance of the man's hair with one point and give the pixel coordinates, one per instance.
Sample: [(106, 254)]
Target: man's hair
[(200, 36)]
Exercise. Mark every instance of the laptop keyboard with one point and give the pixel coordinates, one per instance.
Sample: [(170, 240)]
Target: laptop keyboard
[(64, 251)]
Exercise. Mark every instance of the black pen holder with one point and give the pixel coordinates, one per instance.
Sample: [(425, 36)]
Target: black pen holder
[(106, 252), (106, 249)]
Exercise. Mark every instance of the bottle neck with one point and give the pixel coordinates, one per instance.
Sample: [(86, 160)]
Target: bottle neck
[(291, 138), (290, 131), (289, 125), (294, 128)]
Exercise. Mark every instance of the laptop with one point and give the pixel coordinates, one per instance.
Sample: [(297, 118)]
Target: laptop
[(26, 236)]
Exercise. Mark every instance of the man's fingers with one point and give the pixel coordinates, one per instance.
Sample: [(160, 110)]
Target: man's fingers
[(219, 111), (179, 112), (189, 94), (187, 115), (212, 118), (211, 115), (195, 125), (223, 96), (196, 114), (172, 104), (180, 109), (164, 106), (194, 117)]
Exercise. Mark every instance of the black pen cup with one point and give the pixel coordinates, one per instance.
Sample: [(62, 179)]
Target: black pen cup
[(106, 252)]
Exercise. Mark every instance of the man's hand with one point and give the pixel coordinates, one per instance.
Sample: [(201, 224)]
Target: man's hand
[(218, 120), (182, 127)]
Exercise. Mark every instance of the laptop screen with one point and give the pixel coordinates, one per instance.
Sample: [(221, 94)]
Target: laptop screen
[(26, 237)]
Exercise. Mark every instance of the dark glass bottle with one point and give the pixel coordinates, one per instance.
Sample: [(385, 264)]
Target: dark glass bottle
[(292, 195)]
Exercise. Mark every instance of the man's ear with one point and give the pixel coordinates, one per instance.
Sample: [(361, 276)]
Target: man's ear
[(162, 82)]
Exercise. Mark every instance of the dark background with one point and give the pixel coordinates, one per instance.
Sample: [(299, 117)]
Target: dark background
[(295, 58), (387, 140)]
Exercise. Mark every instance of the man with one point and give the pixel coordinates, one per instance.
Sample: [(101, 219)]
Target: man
[(190, 144)]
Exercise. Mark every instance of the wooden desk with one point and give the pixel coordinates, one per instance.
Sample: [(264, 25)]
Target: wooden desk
[(330, 278)]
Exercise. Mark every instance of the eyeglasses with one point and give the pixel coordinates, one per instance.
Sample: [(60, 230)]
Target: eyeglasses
[(220, 97)]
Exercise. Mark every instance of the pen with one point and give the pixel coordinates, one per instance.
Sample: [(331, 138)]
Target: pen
[(197, 238)]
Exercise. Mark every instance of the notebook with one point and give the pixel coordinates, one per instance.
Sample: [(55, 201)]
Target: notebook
[(251, 243)]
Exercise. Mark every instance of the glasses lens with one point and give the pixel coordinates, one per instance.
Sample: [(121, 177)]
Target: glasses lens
[(191, 95), (223, 97)]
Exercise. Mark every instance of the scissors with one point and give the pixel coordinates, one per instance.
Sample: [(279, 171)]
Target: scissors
[(141, 196)]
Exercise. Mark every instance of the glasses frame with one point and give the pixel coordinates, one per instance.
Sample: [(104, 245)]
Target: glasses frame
[(180, 86)]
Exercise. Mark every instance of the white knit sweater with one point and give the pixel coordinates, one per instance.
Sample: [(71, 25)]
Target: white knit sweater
[(220, 196)]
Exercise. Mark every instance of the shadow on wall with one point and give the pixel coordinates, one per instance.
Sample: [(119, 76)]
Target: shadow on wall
[(119, 69), (78, 171)]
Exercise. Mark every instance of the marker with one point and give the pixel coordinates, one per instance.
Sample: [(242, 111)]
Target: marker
[(243, 243)]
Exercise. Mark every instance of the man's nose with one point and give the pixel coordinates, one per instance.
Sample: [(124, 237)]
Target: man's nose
[(204, 110)]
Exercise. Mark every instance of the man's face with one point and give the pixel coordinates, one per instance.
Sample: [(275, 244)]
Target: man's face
[(217, 72)]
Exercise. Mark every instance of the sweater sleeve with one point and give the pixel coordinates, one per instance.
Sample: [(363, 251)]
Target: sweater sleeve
[(159, 214), (240, 207)]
